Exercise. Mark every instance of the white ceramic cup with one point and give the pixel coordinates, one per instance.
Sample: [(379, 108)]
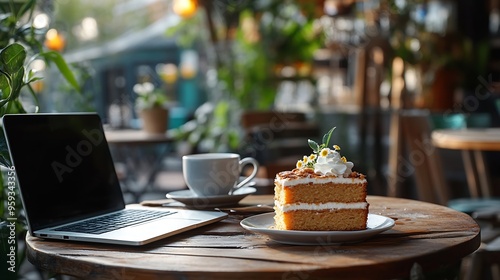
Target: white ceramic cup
[(213, 174)]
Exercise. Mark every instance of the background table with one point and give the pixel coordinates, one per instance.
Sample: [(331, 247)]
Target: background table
[(131, 147), (472, 142), (136, 137), (432, 236)]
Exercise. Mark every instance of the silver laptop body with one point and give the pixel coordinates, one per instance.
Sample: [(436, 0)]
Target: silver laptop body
[(66, 174)]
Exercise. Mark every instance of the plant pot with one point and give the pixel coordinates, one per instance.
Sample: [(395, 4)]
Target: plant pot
[(154, 120)]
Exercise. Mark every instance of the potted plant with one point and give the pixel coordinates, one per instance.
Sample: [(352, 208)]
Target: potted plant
[(152, 106)]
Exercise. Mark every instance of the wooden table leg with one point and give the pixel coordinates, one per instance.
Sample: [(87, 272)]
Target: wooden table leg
[(471, 173), (483, 173), (477, 173)]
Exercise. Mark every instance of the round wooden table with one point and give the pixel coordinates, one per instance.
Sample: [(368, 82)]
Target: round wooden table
[(472, 142), (431, 236)]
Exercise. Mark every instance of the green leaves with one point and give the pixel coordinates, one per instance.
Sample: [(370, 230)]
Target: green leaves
[(327, 136), (4, 151), (63, 67), (27, 6), (4, 86), (326, 140), (13, 78), (12, 60), (314, 146)]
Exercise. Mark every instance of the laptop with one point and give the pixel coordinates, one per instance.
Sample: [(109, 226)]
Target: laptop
[(69, 187)]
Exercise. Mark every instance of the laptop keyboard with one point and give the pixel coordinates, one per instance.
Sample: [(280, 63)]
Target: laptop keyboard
[(114, 221)]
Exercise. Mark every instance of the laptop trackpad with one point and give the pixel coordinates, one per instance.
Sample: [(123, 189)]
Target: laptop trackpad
[(171, 225)]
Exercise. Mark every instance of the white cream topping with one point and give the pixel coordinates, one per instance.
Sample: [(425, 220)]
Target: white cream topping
[(320, 206), (287, 182), (330, 162)]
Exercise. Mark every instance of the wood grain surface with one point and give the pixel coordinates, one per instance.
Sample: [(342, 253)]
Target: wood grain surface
[(482, 139), (432, 236)]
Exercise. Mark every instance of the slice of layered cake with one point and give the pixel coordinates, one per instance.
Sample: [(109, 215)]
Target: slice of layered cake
[(321, 193)]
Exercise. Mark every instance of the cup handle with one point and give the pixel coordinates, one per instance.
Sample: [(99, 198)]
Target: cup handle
[(244, 162)]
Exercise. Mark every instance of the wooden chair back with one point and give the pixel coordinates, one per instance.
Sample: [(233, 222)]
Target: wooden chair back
[(429, 176), (277, 139)]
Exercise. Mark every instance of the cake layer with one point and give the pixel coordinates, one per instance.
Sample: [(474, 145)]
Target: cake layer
[(340, 219), (321, 193), (321, 206)]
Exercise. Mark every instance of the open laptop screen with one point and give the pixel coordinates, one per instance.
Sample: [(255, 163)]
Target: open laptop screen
[(63, 165)]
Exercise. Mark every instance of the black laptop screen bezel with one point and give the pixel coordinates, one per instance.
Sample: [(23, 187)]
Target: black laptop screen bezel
[(64, 167)]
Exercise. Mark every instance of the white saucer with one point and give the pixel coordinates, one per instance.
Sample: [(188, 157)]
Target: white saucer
[(264, 224), (192, 201)]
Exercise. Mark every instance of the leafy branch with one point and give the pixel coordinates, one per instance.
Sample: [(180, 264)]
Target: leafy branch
[(21, 44), (326, 140)]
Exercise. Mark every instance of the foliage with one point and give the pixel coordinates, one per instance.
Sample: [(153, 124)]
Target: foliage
[(268, 37), (20, 44), (149, 97), (430, 49), (251, 42), (211, 129), (185, 35), (12, 79), (70, 99), (71, 14), (326, 140)]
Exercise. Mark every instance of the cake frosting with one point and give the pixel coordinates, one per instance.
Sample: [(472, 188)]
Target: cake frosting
[(301, 176), (322, 206)]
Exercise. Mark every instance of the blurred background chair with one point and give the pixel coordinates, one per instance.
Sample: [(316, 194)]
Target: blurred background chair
[(431, 185), (435, 174), (277, 140), (485, 262)]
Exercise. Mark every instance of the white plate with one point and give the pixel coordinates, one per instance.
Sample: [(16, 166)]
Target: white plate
[(201, 202), (264, 224)]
